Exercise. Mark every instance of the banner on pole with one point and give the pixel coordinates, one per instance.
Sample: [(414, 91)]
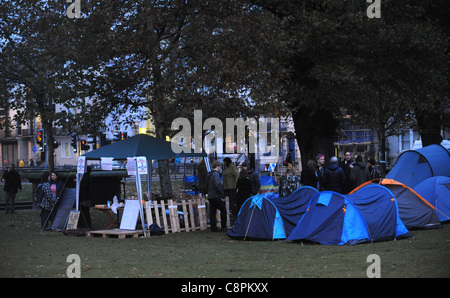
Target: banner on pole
[(81, 166), (142, 165)]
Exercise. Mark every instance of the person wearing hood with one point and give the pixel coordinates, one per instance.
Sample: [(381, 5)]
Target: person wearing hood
[(334, 177), (359, 173)]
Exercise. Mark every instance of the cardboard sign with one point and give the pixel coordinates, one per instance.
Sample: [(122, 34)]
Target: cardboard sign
[(72, 222)]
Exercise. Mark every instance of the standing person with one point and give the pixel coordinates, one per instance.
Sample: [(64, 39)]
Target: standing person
[(13, 182), (359, 173), (254, 178), (215, 195), (334, 178), (374, 172), (57, 187), (202, 174), (85, 197), (289, 167), (309, 174), (347, 165), (230, 177), (320, 159), (45, 199), (244, 188)]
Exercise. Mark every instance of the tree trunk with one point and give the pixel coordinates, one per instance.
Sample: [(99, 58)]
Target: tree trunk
[(163, 164), (429, 123), (315, 133), (164, 178), (49, 140)]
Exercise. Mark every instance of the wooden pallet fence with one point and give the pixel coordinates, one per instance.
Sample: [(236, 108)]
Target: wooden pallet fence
[(193, 211)]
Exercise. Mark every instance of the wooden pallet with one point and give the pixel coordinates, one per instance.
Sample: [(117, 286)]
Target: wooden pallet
[(115, 233)]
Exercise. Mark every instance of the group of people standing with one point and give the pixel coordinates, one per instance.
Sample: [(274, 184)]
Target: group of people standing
[(238, 186), (341, 178)]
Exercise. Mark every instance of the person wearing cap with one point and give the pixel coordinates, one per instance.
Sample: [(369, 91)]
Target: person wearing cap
[(334, 177), (215, 195)]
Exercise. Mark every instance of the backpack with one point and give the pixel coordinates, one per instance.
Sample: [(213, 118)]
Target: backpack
[(38, 194)]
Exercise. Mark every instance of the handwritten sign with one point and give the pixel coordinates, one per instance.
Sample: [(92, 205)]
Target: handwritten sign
[(81, 166), (72, 222), (142, 165), (131, 166)]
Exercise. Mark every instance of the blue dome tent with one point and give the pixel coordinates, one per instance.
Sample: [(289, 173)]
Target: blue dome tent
[(415, 211), (371, 214), (414, 166), (331, 219), (269, 217), (380, 209), (436, 190)]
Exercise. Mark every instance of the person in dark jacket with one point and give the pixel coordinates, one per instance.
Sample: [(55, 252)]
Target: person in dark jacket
[(244, 189), (359, 173), (215, 195), (202, 174), (254, 178), (86, 199), (13, 183), (309, 174), (334, 177), (373, 169), (347, 166)]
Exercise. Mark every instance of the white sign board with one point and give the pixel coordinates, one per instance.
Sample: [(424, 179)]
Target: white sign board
[(107, 163), (130, 215), (131, 166)]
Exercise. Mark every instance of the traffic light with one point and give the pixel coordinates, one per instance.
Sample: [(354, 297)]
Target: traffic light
[(74, 142), (84, 145), (123, 135), (40, 139)]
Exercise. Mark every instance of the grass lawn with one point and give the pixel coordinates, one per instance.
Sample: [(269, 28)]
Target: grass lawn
[(25, 252)]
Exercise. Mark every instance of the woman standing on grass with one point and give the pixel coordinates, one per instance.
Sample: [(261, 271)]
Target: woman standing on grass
[(45, 199)]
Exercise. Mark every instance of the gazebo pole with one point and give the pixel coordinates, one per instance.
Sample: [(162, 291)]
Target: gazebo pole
[(139, 191), (149, 178)]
